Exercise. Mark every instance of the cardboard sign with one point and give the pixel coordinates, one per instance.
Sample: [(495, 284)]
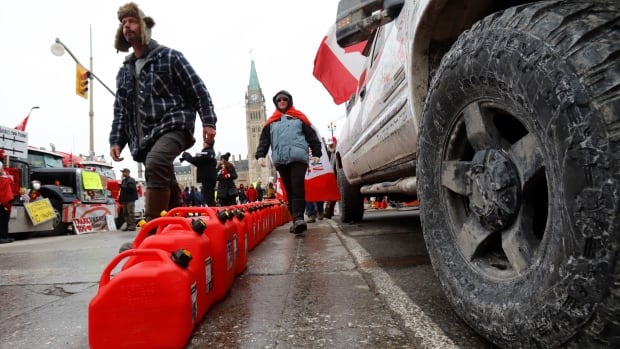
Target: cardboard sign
[(40, 211), (91, 180), (90, 224)]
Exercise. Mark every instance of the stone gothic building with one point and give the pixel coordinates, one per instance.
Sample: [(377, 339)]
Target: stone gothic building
[(255, 117), (248, 169)]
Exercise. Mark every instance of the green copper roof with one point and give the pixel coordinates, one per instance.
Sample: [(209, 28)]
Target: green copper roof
[(253, 85)]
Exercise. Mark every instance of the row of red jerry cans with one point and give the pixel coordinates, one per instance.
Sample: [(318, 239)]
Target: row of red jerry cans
[(271, 213), (154, 301)]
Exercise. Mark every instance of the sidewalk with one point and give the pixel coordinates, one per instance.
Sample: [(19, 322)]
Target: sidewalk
[(299, 292)]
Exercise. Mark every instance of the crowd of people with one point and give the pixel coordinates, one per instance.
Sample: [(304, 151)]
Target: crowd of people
[(194, 196)]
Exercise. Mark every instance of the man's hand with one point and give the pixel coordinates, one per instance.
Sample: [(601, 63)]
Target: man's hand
[(262, 162), (315, 160), (208, 134), (115, 153)]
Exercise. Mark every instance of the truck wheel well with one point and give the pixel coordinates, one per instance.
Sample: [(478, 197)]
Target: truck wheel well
[(434, 38)]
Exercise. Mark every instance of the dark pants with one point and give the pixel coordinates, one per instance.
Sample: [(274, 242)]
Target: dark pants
[(158, 166), (129, 208), (159, 171), (4, 223), (162, 188), (293, 176), (208, 193), (312, 208)]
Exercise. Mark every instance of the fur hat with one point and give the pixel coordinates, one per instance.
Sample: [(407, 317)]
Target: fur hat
[(130, 9), (285, 94), (225, 156)]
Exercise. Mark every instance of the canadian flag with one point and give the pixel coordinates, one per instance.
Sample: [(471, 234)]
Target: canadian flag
[(320, 182), (280, 192), (338, 69), (22, 125)]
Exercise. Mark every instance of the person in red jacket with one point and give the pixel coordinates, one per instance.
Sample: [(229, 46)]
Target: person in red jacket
[(6, 196), (251, 193)]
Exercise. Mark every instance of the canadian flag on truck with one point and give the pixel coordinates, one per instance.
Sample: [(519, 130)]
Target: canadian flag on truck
[(339, 69)]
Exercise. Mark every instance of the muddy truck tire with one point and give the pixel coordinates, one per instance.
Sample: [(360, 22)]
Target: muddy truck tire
[(518, 175), (351, 200)]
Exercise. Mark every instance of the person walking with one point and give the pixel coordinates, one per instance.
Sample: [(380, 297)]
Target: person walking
[(260, 190), (128, 196), (157, 98), (206, 172), (243, 199), (226, 188), (314, 210), (289, 134), (271, 191), (251, 193), (331, 150), (6, 196)]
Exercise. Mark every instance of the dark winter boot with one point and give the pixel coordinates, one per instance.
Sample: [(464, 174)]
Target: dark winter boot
[(329, 209), (155, 202), (298, 208), (176, 200)]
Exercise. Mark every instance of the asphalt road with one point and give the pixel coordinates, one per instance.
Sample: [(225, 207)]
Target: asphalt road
[(366, 285)]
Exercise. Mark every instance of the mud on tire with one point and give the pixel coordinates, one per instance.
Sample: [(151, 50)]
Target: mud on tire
[(519, 171)]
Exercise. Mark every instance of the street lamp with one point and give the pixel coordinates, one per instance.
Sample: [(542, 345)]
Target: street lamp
[(22, 126), (332, 127), (58, 49), (31, 109)]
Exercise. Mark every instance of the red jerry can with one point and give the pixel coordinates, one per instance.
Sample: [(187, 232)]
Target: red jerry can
[(277, 212), (271, 208), (150, 305), (242, 239), (248, 222), (286, 214), (254, 216), (284, 217), (223, 244), (262, 227), (182, 233)]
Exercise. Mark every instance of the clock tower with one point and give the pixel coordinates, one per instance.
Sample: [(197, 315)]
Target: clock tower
[(255, 117)]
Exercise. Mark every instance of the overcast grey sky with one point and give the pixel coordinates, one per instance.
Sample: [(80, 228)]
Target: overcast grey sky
[(219, 38)]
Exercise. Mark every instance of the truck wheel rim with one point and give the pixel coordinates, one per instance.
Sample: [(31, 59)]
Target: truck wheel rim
[(496, 189)]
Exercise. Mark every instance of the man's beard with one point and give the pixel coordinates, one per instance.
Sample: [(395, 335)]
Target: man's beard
[(132, 38)]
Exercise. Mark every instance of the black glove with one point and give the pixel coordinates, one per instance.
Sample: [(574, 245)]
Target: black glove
[(185, 156)]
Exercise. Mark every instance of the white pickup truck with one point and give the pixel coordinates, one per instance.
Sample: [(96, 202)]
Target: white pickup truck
[(503, 119)]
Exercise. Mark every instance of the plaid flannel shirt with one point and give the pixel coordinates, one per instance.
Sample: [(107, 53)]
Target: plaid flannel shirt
[(165, 96)]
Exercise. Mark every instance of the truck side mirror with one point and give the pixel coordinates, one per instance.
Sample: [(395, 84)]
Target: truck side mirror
[(356, 20)]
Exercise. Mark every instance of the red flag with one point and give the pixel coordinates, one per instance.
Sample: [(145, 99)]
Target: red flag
[(280, 192), (338, 69), (22, 125), (320, 182)]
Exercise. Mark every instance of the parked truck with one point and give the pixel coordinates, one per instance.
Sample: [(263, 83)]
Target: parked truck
[(503, 119), (27, 216), (109, 180), (75, 193)]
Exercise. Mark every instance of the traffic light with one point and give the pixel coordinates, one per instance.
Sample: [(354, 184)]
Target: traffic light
[(81, 81)]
